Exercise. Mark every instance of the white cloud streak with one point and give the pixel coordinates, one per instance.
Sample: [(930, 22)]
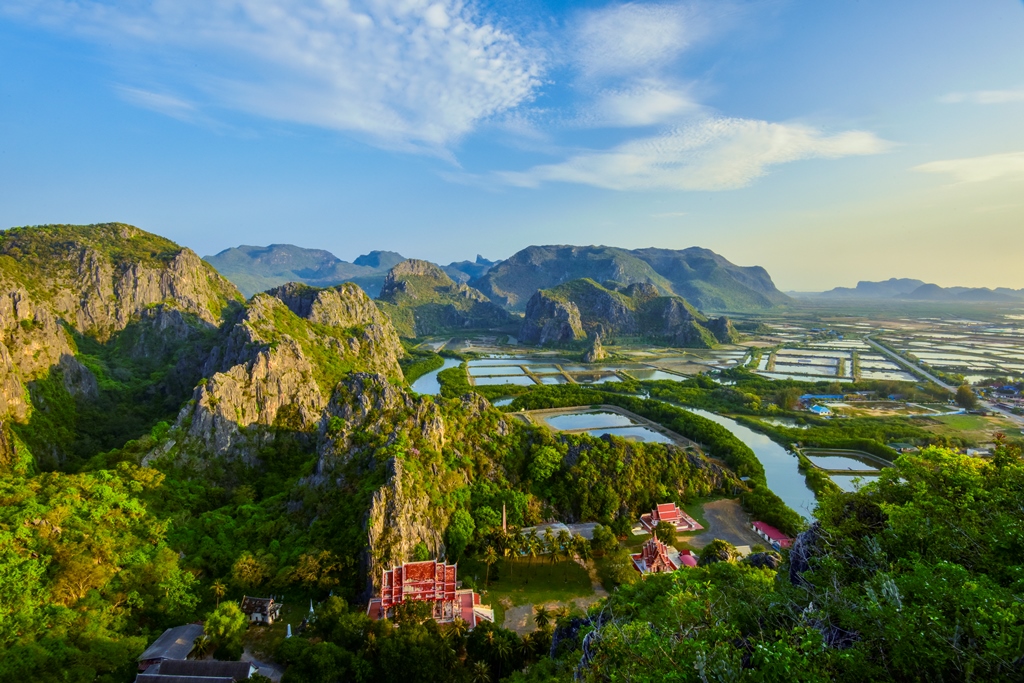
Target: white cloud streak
[(403, 73), (623, 39), (1009, 165), (984, 97), (713, 154)]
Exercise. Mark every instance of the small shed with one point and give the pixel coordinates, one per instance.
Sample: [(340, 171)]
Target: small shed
[(261, 610), (174, 643)]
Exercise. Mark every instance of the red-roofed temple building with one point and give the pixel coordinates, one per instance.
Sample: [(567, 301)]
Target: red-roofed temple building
[(669, 512), (776, 538), (654, 558), (428, 581)]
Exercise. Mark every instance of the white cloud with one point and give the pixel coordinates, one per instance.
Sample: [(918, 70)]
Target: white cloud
[(405, 73), (979, 169), (630, 37), (984, 97), (168, 105), (713, 154), (645, 103)]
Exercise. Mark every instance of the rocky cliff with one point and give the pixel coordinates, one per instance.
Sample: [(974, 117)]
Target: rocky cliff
[(70, 299), (279, 364), (572, 310), (421, 299)]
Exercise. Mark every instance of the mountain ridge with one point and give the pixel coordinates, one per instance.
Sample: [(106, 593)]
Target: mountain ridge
[(699, 275)]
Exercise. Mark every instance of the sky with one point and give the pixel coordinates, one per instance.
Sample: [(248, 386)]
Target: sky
[(829, 142)]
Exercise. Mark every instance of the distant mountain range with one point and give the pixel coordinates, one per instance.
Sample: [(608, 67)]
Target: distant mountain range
[(701, 276), (906, 289), (258, 269)]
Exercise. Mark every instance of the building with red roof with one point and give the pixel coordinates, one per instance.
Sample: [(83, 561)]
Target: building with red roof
[(669, 512), (655, 558), (433, 582), (776, 538)]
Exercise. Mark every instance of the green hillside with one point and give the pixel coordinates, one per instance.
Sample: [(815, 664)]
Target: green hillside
[(421, 299)]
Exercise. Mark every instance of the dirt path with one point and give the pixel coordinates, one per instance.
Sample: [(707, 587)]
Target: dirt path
[(727, 521)]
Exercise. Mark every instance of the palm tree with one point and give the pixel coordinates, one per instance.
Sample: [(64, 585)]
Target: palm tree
[(532, 545), (561, 613), (541, 617), (481, 673), (490, 557), (219, 589), (565, 550), (504, 650), (525, 647), (583, 549)]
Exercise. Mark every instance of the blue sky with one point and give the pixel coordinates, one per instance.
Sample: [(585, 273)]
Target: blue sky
[(826, 141)]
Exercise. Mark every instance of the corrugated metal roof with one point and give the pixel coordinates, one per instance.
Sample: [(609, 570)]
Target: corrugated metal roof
[(174, 643)]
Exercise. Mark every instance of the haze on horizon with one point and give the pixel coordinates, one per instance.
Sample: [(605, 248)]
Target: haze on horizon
[(829, 143)]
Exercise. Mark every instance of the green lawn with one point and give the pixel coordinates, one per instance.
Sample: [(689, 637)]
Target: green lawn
[(542, 583)]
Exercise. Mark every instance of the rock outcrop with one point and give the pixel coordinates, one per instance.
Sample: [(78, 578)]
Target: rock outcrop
[(279, 365), (61, 285), (421, 299), (551, 321), (574, 309), (596, 352)]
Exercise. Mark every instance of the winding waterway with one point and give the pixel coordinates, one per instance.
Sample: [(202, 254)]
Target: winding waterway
[(780, 466), (428, 384)]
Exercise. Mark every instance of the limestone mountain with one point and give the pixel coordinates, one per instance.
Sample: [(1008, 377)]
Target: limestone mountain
[(571, 311), (277, 365), (464, 271), (701, 276), (421, 299), (257, 269), (101, 329)]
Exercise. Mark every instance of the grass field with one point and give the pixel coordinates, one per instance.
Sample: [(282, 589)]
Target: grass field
[(973, 428), (519, 583)]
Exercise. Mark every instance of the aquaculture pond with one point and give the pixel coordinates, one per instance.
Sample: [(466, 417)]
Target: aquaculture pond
[(519, 380), (428, 384), (841, 462), (593, 420), (635, 433), (650, 374)]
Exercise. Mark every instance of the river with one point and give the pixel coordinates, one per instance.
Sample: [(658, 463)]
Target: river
[(428, 384), (780, 466)]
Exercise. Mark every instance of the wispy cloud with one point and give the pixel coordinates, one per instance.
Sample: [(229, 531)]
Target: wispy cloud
[(624, 39), (162, 103), (643, 103), (1009, 165), (713, 154), (985, 96), (403, 73)]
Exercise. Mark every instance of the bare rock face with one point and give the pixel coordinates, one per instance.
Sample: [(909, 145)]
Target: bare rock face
[(275, 370), (100, 297), (764, 560), (805, 548), (723, 330), (596, 352), (400, 518), (549, 320)]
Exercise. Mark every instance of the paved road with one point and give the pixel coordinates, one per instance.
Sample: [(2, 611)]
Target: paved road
[(991, 407), (727, 521)]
